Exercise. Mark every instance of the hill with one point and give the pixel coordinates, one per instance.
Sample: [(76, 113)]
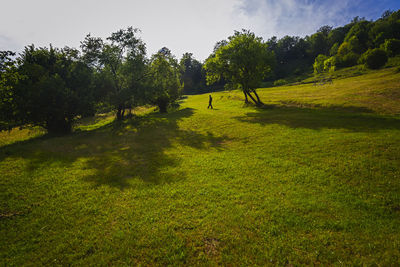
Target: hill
[(312, 178)]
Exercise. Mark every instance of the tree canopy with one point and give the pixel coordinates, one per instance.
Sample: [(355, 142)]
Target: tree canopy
[(243, 61)]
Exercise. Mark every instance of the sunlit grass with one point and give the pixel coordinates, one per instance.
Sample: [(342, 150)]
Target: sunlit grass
[(312, 178)]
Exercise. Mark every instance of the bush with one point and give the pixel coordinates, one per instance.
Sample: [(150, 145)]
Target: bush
[(280, 82), (330, 64), (374, 58), (319, 63), (392, 47), (348, 60)]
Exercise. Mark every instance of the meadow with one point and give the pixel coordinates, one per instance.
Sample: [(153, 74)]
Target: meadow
[(311, 178)]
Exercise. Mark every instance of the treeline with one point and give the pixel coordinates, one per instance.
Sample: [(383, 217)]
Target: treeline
[(358, 42), (53, 87)]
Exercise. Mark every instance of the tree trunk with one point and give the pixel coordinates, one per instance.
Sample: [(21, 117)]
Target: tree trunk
[(258, 99), (246, 100), (252, 98), (120, 114), (162, 107)]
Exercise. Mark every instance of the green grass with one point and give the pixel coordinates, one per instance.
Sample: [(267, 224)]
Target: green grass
[(313, 178)]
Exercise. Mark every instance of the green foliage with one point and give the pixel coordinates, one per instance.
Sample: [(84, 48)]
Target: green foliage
[(121, 65), (344, 49), (244, 61), (387, 27), (358, 36), (9, 77), (280, 82), (318, 44), (165, 85), (330, 64), (319, 64), (348, 60), (374, 58), (334, 49), (192, 74), (392, 47), (292, 56), (55, 88), (337, 35)]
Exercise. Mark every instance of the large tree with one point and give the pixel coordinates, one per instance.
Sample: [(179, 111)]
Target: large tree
[(52, 87), (243, 61), (9, 77), (164, 85), (191, 74), (121, 62)]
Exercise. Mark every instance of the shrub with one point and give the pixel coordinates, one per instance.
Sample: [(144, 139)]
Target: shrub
[(280, 82), (330, 64), (349, 59), (392, 47), (319, 63), (374, 58)]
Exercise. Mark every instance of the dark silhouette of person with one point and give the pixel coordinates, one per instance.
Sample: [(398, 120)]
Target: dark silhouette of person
[(210, 102)]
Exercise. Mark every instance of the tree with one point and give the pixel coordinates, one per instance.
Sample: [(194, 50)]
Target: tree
[(392, 47), (244, 61), (319, 44), (359, 35), (122, 63), (9, 77), (319, 64), (374, 58), (164, 86), (54, 87), (191, 73)]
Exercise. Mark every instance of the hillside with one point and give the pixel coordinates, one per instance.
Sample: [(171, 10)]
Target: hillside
[(312, 178)]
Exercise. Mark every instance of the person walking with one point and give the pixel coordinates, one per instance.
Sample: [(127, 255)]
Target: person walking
[(210, 103)]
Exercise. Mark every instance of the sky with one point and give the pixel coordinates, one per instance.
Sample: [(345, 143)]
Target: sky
[(181, 25)]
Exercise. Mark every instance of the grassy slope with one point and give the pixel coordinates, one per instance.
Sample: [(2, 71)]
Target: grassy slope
[(314, 178)]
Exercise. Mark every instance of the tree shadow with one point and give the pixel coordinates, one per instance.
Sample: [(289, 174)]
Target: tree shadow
[(352, 119), (120, 152)]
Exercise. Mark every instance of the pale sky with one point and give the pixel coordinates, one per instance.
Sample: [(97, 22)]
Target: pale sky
[(181, 25)]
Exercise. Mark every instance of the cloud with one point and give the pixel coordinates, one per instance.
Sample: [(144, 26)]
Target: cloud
[(7, 43), (303, 17), (181, 25)]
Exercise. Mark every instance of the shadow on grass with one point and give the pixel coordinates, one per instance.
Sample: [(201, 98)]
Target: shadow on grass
[(353, 119), (120, 152)]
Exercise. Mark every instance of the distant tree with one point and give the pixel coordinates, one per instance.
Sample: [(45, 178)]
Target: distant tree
[(386, 14), (392, 47), (164, 86), (325, 30), (9, 77), (337, 35), (387, 27), (319, 64), (345, 55), (318, 44), (218, 45), (54, 87), (244, 61), (334, 49), (330, 64), (374, 58), (122, 65), (191, 73), (359, 35)]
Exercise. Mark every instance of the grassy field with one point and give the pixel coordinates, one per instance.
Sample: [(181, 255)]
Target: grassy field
[(312, 178)]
